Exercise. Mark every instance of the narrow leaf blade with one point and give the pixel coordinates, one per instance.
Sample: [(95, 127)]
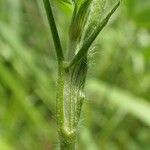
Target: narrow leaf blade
[(86, 45)]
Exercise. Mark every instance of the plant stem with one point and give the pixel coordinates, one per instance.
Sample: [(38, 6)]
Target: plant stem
[(71, 78), (54, 31), (64, 103)]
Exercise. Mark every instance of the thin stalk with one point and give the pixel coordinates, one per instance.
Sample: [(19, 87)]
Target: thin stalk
[(54, 31)]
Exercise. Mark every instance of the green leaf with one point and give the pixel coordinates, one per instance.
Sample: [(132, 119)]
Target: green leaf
[(87, 43), (79, 19), (96, 12)]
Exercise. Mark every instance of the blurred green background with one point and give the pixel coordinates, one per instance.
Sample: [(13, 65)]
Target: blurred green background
[(116, 112)]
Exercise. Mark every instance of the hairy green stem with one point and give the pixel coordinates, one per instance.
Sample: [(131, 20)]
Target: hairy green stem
[(72, 75), (69, 103)]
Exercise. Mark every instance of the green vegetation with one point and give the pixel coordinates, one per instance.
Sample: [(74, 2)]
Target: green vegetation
[(116, 109), (72, 71)]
